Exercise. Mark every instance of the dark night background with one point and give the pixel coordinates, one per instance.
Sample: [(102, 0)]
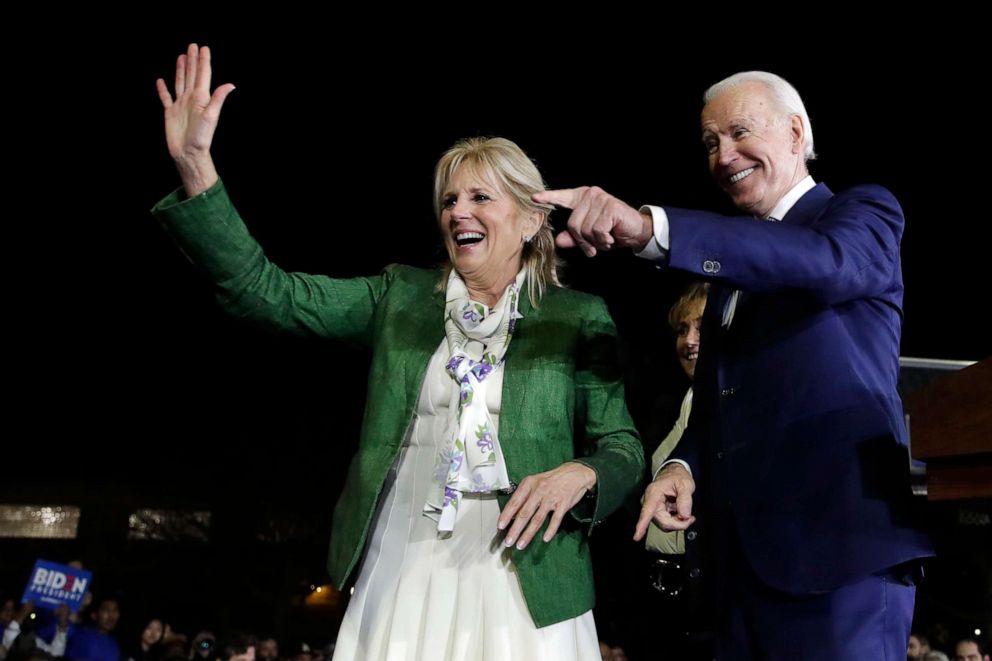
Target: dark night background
[(128, 389)]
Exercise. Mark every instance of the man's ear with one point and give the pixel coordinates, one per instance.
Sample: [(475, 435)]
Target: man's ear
[(798, 130)]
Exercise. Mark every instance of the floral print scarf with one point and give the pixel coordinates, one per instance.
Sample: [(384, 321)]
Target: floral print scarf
[(470, 459)]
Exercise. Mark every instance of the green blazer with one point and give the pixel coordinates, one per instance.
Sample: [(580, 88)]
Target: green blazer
[(562, 399)]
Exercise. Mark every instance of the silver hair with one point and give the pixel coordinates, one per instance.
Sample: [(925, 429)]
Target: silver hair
[(781, 91)]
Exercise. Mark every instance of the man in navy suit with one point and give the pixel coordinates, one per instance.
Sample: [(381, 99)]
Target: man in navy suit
[(796, 436)]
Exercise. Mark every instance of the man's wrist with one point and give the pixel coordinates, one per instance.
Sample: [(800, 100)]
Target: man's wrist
[(671, 462), (647, 231)]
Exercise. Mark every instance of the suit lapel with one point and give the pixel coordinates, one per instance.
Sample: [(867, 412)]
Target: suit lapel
[(808, 207), (712, 329), (803, 212), (716, 303)]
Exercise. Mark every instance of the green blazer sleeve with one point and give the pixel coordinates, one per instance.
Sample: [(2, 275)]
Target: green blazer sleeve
[(563, 397), (612, 444), (210, 232)]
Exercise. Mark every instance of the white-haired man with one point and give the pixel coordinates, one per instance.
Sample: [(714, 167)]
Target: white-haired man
[(796, 433)]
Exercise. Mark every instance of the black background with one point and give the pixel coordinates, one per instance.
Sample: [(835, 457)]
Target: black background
[(128, 388)]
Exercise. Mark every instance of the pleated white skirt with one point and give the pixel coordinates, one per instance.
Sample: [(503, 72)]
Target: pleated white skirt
[(421, 596)]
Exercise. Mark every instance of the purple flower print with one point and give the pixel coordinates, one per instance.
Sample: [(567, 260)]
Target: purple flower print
[(480, 484), (450, 497), (485, 441), (443, 464), (482, 370)]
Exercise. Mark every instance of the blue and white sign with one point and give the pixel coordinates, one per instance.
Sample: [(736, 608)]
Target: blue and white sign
[(52, 585)]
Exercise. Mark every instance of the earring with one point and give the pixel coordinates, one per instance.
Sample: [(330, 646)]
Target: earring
[(527, 238)]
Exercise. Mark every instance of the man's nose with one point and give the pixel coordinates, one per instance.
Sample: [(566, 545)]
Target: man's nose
[(726, 152)]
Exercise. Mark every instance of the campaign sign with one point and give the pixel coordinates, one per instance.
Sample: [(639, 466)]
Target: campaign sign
[(52, 585)]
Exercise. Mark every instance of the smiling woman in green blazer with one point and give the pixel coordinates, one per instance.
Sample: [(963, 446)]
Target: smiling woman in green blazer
[(454, 574)]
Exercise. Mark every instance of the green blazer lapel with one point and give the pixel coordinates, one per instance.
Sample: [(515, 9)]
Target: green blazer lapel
[(423, 329), (515, 381)]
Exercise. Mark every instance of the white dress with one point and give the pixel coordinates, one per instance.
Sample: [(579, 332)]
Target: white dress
[(422, 596)]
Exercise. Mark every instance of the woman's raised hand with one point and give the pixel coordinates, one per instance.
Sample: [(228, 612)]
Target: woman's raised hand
[(191, 118)]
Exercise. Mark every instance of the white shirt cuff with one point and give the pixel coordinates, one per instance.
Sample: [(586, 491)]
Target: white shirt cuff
[(672, 461), (657, 248)]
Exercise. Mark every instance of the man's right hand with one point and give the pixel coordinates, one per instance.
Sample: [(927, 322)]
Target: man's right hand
[(599, 221), (667, 501)]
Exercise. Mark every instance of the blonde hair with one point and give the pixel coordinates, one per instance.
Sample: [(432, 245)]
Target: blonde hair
[(694, 293), (502, 164)]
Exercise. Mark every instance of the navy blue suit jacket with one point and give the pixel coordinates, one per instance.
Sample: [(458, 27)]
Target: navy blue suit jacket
[(796, 429)]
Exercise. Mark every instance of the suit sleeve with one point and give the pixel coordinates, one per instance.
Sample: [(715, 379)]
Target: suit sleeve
[(849, 251), (615, 451), (210, 232)]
